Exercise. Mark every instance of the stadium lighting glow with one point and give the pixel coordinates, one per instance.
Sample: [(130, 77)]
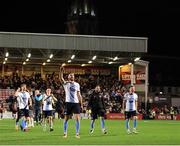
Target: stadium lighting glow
[(115, 58), (51, 56), (80, 13), (110, 62), (4, 62), (129, 63), (63, 64), (44, 63), (6, 59), (85, 9), (29, 55), (94, 57), (89, 61), (92, 13), (69, 61), (137, 58), (7, 54), (74, 11), (27, 59), (48, 60), (73, 56), (82, 65), (24, 63)]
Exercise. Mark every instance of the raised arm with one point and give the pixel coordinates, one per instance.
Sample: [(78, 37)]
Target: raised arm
[(61, 75), (54, 98), (17, 92)]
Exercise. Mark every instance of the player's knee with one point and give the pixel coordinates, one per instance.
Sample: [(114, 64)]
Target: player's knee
[(66, 117), (77, 117), (102, 117), (134, 117)]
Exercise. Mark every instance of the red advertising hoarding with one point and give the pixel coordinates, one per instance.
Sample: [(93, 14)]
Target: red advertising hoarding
[(119, 116), (167, 117)]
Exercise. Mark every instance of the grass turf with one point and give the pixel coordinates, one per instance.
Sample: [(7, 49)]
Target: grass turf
[(151, 132)]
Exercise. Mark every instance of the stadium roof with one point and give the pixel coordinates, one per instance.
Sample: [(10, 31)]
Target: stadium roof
[(63, 46)]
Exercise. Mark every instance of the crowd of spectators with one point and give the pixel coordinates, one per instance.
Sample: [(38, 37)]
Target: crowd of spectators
[(112, 89), (164, 110)]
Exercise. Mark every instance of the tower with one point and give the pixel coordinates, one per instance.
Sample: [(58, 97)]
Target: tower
[(82, 17)]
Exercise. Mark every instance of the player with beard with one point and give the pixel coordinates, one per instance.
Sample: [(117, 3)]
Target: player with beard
[(73, 101), (97, 106)]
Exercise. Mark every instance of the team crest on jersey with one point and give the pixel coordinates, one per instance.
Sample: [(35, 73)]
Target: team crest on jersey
[(72, 88)]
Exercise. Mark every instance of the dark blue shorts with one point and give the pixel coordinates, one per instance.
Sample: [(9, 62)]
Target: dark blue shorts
[(72, 108), (96, 113), (47, 114), (129, 114), (23, 112)]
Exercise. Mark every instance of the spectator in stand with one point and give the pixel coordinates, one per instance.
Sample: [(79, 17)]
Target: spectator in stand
[(172, 112), (152, 113), (118, 95), (162, 112), (166, 110), (1, 110)]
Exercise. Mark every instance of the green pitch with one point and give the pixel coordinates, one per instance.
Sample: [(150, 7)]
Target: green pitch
[(150, 133)]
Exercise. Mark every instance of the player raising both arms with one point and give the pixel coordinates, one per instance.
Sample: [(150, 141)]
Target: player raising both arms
[(73, 101)]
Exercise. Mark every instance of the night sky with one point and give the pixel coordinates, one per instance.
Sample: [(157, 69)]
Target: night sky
[(159, 21)]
